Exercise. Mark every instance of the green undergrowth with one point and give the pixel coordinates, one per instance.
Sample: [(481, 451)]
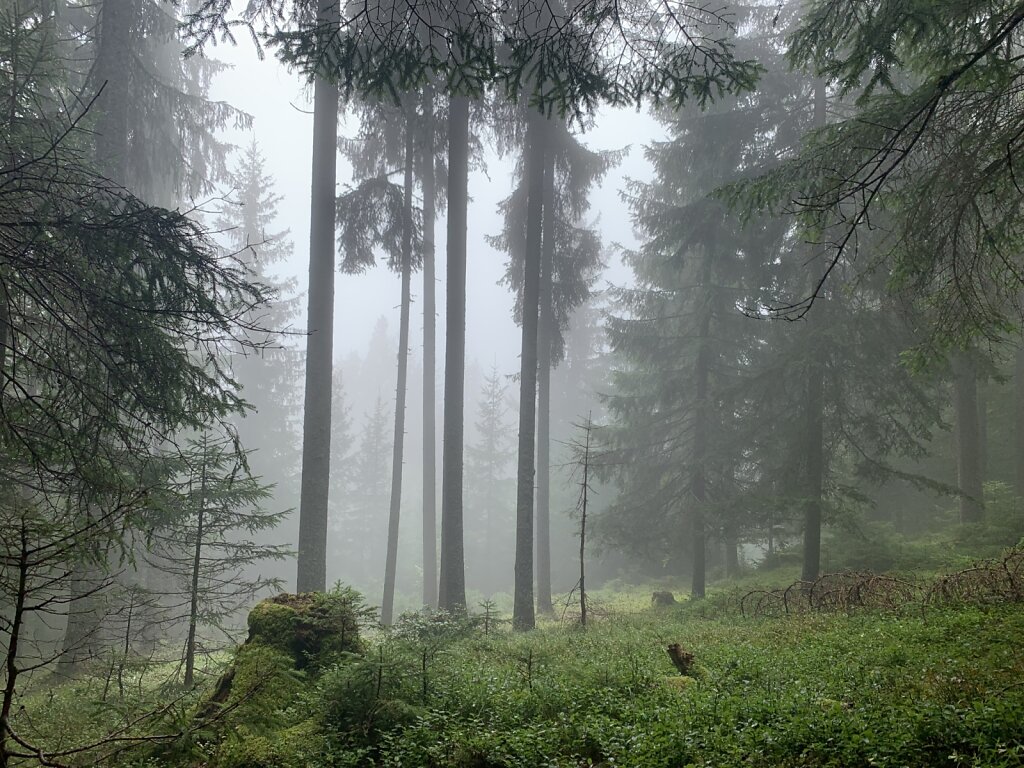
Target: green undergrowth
[(805, 691), (941, 688), (816, 690)]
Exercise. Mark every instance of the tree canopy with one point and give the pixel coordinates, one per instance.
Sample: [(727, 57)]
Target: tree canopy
[(563, 58), (921, 157)]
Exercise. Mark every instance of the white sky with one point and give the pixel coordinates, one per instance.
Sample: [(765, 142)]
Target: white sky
[(283, 128)]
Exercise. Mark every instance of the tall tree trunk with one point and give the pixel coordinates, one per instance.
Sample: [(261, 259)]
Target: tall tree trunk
[(983, 429), (86, 582), (1018, 400), (545, 332), (429, 361), (398, 445), (316, 421), (523, 616), (452, 588), (14, 629), (110, 72), (197, 559), (814, 456), (815, 466), (732, 554), (698, 484), (972, 499)]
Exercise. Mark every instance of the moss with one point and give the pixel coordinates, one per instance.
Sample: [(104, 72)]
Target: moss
[(301, 745), (312, 627), (271, 624), (256, 716), (251, 752)]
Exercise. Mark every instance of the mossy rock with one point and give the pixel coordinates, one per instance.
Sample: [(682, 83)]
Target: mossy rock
[(311, 626)]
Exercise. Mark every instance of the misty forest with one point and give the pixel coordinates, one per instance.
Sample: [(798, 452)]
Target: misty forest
[(651, 391)]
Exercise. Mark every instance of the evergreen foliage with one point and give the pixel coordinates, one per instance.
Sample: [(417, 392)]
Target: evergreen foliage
[(489, 487), (923, 163), (574, 245), (157, 132), (557, 59), (270, 380), (206, 519), (116, 322), (364, 512), (714, 416)]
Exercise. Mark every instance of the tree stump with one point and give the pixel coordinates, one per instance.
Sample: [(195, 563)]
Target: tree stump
[(663, 599), (681, 658)]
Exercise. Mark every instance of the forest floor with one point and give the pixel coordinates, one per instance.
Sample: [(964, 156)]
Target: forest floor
[(912, 683)]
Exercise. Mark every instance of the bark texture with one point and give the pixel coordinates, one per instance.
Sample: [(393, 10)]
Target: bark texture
[(523, 613), (316, 421), (545, 333), (429, 358), (398, 443), (452, 587)]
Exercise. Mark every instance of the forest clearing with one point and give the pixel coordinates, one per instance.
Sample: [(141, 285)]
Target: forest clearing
[(649, 390)]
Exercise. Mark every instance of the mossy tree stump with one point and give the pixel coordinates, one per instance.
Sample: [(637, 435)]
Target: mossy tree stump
[(291, 638), (311, 627)]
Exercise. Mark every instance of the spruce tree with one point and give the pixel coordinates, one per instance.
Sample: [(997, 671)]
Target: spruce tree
[(156, 129), (369, 493), (489, 486), (929, 142), (380, 213), (269, 380), (106, 302), (569, 261), (202, 546), (714, 412)]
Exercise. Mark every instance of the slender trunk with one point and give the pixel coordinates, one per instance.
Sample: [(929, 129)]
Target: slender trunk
[(983, 429), (197, 557), (316, 422), (698, 485), (972, 500), (113, 63), (732, 555), (13, 638), (452, 588), (5, 333), (815, 463), (545, 332), (583, 525), (814, 415), (391, 561), (86, 580), (1018, 383), (429, 362), (523, 616)]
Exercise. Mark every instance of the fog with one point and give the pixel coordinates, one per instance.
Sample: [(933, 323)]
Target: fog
[(281, 108), (283, 124), (743, 303)]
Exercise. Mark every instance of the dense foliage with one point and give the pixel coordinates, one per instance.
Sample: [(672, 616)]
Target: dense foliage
[(933, 689)]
